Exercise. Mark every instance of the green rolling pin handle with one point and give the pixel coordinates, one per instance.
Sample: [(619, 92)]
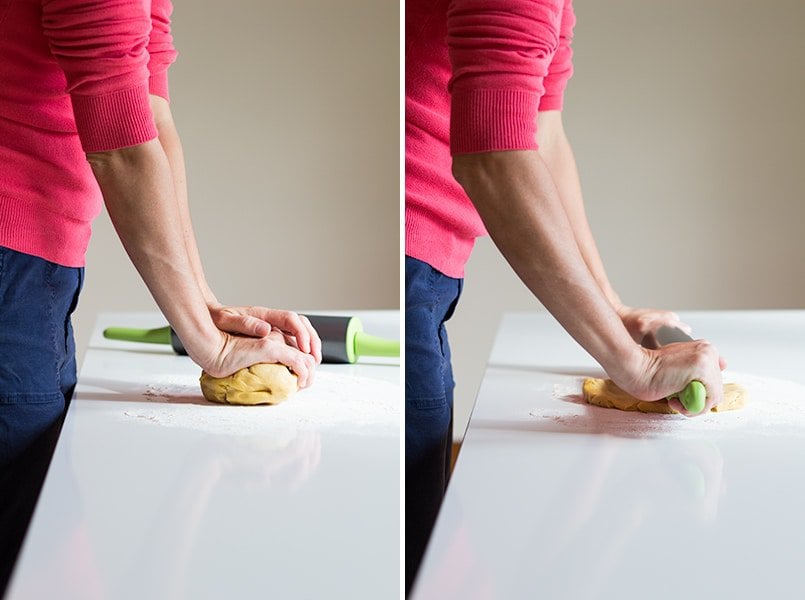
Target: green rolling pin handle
[(371, 345), (161, 335), (343, 340), (693, 397)]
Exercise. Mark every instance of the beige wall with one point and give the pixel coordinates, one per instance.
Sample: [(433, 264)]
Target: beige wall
[(687, 122), (289, 115)]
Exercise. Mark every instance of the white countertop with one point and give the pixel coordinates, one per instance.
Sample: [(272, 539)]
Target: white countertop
[(552, 498), (155, 493)]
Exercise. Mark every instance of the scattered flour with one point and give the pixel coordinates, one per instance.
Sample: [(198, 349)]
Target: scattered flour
[(355, 405), (775, 407)]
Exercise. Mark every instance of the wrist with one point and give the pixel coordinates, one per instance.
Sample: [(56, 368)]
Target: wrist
[(200, 337), (630, 366), (209, 298), (617, 304)]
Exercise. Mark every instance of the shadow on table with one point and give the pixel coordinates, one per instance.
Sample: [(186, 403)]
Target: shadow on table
[(594, 421), (151, 350), (127, 391), (564, 371)]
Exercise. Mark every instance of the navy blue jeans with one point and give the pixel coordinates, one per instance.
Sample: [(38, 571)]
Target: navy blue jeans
[(430, 299), (37, 377)]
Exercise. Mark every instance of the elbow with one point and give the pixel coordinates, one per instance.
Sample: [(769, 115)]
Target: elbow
[(121, 158), (459, 169), (469, 169), (101, 160), (479, 173)]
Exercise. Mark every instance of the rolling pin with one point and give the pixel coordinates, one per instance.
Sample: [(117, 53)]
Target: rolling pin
[(694, 396), (343, 339)]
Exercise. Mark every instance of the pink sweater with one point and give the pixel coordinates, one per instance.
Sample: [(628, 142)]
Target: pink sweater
[(476, 73), (74, 77)]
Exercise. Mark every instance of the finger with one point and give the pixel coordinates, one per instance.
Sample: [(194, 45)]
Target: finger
[(676, 405), (254, 326), (669, 319), (299, 362), (290, 340), (722, 363), (315, 340), (274, 349), (311, 368), (243, 324), (290, 322), (674, 320), (715, 395)]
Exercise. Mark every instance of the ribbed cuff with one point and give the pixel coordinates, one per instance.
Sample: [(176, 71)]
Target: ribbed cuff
[(114, 120), (552, 102), (491, 120), (158, 85)]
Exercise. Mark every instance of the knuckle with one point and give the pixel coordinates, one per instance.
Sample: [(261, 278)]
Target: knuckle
[(703, 351)]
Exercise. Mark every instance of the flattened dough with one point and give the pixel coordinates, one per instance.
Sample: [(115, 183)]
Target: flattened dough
[(262, 383), (603, 392)]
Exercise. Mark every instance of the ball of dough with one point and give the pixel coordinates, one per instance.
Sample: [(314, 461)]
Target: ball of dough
[(604, 392), (262, 383)]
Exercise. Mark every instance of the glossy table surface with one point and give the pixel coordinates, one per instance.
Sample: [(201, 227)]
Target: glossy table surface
[(553, 498), (155, 493)]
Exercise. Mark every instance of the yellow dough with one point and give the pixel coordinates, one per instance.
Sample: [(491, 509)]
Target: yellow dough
[(262, 383), (603, 392)]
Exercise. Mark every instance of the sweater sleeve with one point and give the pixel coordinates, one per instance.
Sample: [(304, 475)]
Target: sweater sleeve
[(161, 53), (101, 45), (561, 68), (500, 53)]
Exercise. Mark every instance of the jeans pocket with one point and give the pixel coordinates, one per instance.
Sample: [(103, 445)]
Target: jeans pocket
[(26, 417), (427, 423), (15, 399), (77, 292), (434, 403)]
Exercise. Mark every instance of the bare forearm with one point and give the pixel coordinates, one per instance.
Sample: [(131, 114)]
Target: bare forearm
[(172, 147), (557, 154), (139, 193), (521, 208)]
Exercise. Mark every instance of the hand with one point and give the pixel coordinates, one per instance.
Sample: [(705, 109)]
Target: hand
[(667, 370), (642, 323), (257, 321), (237, 352)]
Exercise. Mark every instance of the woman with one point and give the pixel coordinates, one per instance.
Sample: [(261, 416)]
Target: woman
[(486, 151), (84, 117)]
